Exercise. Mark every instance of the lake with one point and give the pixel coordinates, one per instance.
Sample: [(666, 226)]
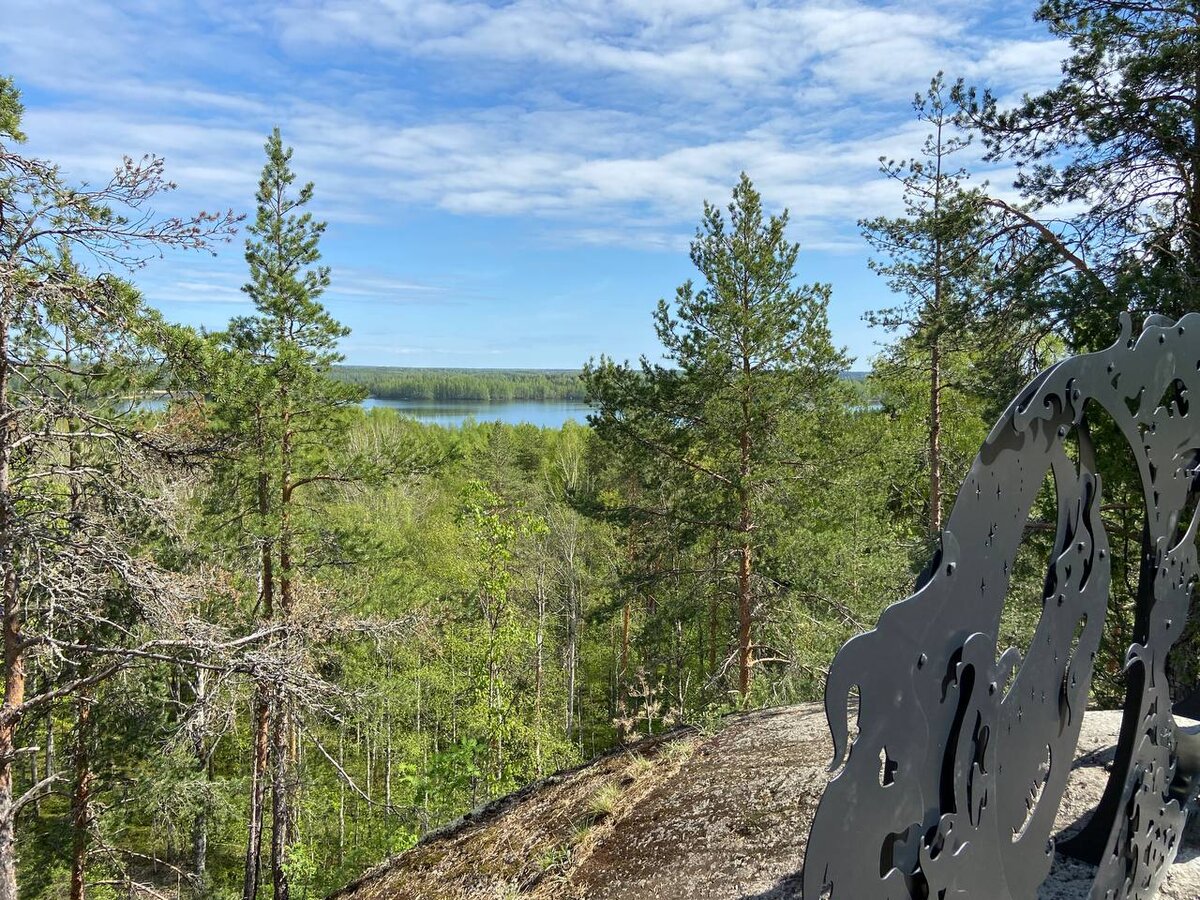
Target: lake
[(452, 413)]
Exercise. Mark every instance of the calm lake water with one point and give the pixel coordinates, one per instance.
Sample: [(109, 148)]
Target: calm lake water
[(452, 413)]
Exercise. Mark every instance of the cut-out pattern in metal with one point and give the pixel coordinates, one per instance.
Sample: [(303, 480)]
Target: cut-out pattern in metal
[(953, 781)]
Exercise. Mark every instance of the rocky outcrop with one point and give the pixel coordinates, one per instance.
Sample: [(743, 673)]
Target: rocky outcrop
[(689, 817)]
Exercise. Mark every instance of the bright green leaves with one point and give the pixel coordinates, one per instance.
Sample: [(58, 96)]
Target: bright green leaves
[(493, 529)]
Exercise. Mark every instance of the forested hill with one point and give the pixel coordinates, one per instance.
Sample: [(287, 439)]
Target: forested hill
[(403, 383), (398, 383)]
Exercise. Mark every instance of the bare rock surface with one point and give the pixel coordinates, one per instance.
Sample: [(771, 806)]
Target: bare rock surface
[(691, 817), (731, 822), (1093, 759)]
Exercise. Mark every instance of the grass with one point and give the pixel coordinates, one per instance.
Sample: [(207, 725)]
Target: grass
[(581, 832), (554, 858), (605, 800), (640, 766), (677, 751)]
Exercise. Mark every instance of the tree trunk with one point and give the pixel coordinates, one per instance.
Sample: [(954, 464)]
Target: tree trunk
[(577, 686), (935, 361), (252, 876), (538, 674), (48, 761), (280, 791), (266, 582), (572, 639), (935, 441), (200, 849), (81, 796), (624, 673), (8, 868), (369, 783), (282, 787), (14, 655), (713, 612), (680, 692), (387, 754), (1193, 195), (745, 526), (258, 782), (204, 770), (626, 615), (745, 647), (341, 856)]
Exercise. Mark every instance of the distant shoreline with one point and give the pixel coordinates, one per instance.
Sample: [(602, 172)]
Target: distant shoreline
[(482, 385), (850, 374)]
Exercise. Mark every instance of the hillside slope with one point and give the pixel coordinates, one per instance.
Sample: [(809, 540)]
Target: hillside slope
[(686, 817)]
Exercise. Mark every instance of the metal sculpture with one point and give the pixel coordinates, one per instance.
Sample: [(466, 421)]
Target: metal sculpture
[(963, 749)]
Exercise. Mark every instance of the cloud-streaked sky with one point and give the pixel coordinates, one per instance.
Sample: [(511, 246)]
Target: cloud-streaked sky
[(514, 182)]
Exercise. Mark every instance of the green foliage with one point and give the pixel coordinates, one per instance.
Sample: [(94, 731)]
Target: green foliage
[(469, 610), (11, 111), (301, 866), (931, 256), (89, 593), (717, 443), (1101, 141), (271, 394), (1116, 146)]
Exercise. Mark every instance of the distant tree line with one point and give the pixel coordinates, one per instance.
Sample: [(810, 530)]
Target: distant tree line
[(493, 385), (489, 385)]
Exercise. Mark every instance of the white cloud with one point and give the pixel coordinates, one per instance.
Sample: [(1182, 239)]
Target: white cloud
[(350, 283), (682, 47), (606, 118)]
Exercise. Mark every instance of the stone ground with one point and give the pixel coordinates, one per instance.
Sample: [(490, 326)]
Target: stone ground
[(1094, 755), (720, 817)]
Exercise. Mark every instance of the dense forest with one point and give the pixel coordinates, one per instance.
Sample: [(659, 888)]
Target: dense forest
[(489, 385), (260, 638)]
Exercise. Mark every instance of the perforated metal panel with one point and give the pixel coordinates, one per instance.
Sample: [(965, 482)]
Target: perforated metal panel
[(951, 787)]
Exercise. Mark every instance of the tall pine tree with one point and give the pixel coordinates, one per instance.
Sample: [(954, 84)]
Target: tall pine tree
[(1116, 142), (750, 365), (286, 417), (933, 256)]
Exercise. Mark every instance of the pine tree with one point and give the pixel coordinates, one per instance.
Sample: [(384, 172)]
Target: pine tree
[(275, 400), (934, 257), (750, 361), (80, 601), (1117, 142)]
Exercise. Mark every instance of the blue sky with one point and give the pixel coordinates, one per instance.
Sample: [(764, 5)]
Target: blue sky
[(514, 183)]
